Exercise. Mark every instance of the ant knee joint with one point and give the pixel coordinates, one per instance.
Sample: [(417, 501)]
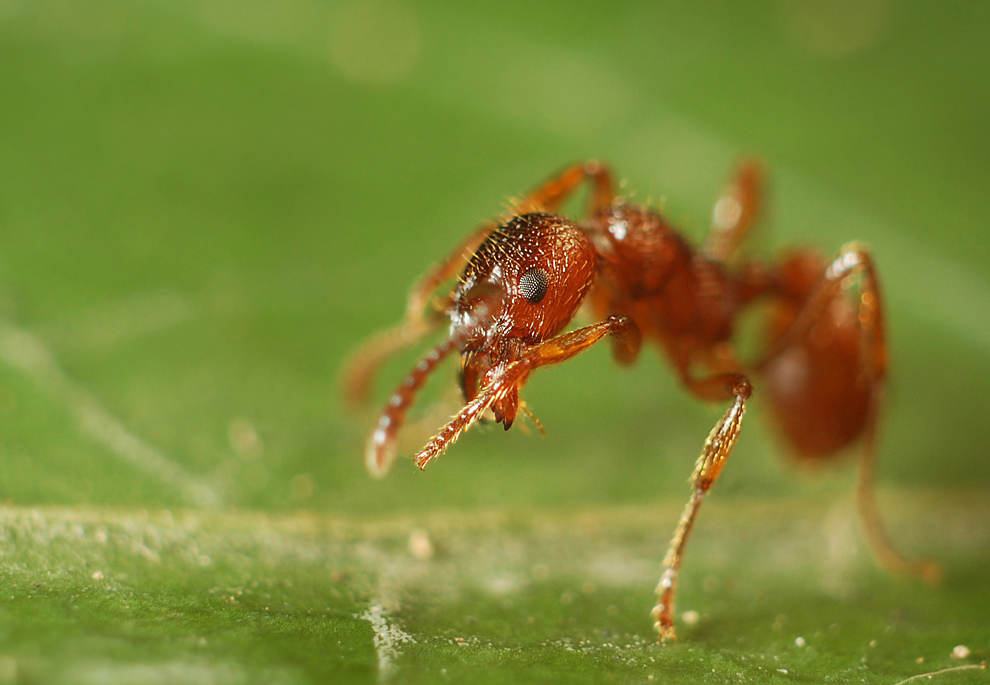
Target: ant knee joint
[(742, 388)]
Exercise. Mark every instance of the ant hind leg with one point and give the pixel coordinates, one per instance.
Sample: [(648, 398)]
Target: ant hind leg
[(843, 383)]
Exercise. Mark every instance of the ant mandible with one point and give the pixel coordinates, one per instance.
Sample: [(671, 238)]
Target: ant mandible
[(822, 368)]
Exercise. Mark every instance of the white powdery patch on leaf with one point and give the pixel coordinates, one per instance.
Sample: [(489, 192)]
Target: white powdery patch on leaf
[(388, 638)]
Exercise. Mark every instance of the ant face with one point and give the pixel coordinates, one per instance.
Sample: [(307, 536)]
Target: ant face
[(522, 286)]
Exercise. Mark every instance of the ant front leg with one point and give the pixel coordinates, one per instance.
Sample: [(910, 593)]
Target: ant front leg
[(363, 363), (508, 380), (714, 454)]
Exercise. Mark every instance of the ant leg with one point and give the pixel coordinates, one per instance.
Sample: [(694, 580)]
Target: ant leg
[(381, 448), (625, 334), (363, 363), (710, 463), (549, 196), (735, 212), (510, 378), (362, 367), (887, 555), (852, 261)]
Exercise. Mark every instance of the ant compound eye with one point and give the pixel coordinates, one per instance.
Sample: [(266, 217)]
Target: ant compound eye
[(533, 284)]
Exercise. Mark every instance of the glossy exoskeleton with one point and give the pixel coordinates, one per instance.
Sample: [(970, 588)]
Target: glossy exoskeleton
[(822, 366)]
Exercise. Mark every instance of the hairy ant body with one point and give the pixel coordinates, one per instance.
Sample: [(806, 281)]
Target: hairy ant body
[(822, 369)]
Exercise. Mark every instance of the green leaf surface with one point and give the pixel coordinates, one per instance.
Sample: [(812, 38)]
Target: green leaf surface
[(204, 206)]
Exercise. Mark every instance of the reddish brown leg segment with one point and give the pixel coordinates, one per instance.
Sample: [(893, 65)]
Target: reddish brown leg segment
[(552, 194), (363, 364), (381, 449), (714, 454), (734, 213), (556, 350)]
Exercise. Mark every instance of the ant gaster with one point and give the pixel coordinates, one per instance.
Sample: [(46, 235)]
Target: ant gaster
[(822, 367)]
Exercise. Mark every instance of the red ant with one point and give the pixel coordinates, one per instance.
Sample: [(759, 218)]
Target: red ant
[(822, 368)]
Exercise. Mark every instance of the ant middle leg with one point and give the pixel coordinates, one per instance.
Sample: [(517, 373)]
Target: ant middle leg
[(735, 213), (717, 448)]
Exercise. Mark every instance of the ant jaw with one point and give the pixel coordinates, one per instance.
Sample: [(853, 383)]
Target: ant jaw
[(505, 408), (483, 366)]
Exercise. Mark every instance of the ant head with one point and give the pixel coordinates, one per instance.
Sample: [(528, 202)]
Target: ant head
[(522, 286)]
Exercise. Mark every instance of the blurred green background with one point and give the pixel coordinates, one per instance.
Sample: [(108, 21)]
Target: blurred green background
[(205, 205)]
